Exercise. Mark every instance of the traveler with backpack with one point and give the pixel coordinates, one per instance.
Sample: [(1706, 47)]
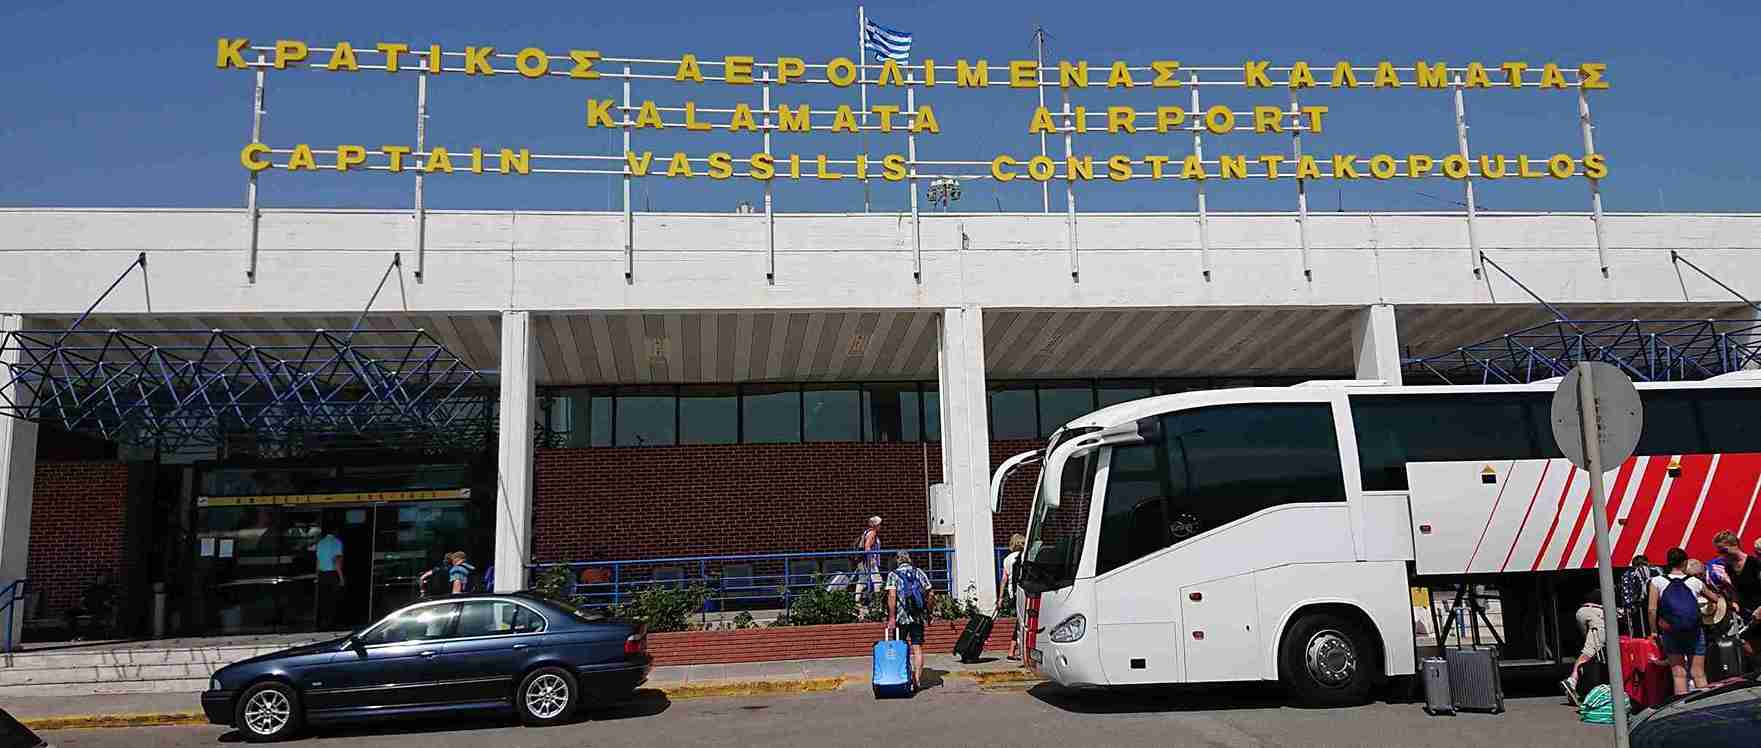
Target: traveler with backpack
[(1635, 585), (459, 575), (1674, 605), (868, 563), (1737, 576), (434, 582), (908, 603)]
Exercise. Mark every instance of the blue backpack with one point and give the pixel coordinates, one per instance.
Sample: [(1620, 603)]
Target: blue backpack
[(1678, 609), (911, 592)]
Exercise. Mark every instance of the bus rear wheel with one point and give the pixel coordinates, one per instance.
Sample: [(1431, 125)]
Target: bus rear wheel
[(1328, 660)]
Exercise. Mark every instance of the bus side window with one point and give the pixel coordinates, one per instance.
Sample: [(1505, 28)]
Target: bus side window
[(1216, 465)]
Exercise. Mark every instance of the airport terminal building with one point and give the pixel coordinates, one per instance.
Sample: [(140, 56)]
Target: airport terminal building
[(718, 384)]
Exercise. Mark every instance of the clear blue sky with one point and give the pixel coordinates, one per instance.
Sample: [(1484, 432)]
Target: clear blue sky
[(119, 104)]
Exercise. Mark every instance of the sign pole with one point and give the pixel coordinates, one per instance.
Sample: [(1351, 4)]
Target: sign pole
[(862, 77), (1473, 239), (1590, 419), (1302, 190), (629, 217), (770, 217), (421, 211), (1039, 54), (253, 215), (1595, 184), (1198, 151), (1069, 184)]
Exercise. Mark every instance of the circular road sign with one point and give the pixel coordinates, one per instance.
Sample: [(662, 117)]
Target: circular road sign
[(1618, 416)]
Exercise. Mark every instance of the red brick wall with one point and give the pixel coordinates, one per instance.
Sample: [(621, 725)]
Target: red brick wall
[(648, 502), (78, 511)]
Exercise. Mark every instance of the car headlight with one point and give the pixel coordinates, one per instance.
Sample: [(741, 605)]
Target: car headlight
[(1070, 630), (213, 684)]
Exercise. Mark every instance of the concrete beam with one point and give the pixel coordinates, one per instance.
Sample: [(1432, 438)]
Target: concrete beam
[(513, 494), (966, 450), (1375, 344), (328, 261), (18, 463)]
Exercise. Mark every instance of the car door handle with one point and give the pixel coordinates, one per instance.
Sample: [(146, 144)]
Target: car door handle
[(519, 646), (427, 653)]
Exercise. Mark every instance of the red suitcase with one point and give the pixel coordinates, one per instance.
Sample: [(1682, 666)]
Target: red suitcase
[(1648, 682)]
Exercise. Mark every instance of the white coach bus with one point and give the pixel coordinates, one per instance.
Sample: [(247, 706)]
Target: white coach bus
[(1276, 533)]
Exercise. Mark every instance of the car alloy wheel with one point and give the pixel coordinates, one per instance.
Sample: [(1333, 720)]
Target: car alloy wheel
[(547, 696), (267, 712)]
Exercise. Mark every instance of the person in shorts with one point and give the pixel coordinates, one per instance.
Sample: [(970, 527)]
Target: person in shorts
[(905, 622), (1591, 624), (1016, 543), (1682, 644)]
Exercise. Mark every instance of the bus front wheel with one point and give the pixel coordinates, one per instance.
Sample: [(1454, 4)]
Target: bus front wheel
[(1328, 660)]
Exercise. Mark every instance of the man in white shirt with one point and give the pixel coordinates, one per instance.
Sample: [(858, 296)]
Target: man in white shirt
[(330, 577)]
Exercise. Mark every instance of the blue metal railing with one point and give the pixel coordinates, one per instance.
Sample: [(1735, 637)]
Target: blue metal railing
[(12, 604), (758, 581)]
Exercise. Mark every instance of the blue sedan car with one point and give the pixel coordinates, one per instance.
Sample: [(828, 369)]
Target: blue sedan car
[(538, 657)]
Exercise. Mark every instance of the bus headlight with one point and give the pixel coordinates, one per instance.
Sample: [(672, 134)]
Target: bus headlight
[(1070, 630)]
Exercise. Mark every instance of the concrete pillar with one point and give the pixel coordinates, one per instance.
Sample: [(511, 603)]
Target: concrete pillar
[(966, 450), (513, 469), (1375, 344), (18, 464)]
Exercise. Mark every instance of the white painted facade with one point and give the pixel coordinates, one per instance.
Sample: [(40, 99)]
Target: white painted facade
[(1375, 281)]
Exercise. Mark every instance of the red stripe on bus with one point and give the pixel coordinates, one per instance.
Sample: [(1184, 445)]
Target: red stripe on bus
[(1558, 509), (1725, 502), (1577, 529), (1545, 466), (1649, 486), (1629, 473), (1678, 506)]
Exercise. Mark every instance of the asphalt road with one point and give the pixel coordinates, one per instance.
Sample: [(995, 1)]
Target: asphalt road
[(957, 714)]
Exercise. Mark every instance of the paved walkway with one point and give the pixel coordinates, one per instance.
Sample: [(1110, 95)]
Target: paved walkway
[(677, 682)]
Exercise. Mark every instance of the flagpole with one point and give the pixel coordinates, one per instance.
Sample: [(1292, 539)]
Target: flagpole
[(1039, 53), (862, 78)]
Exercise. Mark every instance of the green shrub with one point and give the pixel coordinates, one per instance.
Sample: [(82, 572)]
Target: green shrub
[(663, 608), (818, 606), (552, 583), (951, 608), (744, 620)]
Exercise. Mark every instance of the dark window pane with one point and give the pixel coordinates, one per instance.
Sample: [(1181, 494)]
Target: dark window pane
[(421, 624), (890, 412), (1013, 413), (645, 416), (1113, 394), (771, 413), (1393, 430), (833, 413), (1732, 418), (932, 413), (1061, 403), (599, 420), (1673, 423), (1216, 465), (708, 415), (1173, 386)]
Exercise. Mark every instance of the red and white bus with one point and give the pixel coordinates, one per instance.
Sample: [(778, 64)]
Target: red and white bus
[(1276, 534)]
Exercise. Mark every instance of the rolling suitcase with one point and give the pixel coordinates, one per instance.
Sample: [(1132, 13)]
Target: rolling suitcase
[(1654, 684), (971, 642), (892, 668), (1435, 673), (1474, 680), (1724, 659)]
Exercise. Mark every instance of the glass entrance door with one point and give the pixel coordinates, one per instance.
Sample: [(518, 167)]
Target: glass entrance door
[(410, 538)]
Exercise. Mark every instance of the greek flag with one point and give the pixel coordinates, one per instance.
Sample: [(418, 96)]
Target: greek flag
[(888, 44)]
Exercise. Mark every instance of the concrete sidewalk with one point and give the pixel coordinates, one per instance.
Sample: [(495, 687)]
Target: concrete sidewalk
[(50, 712)]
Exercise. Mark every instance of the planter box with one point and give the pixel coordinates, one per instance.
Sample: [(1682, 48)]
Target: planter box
[(802, 642)]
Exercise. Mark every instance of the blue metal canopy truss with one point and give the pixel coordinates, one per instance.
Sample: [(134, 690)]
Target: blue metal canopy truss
[(1647, 350), (272, 391)]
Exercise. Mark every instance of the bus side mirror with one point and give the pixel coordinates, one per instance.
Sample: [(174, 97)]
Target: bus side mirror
[(1149, 429)]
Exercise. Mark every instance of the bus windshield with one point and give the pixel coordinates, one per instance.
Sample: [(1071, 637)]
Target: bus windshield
[(1055, 534)]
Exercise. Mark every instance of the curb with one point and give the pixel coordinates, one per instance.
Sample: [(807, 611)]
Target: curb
[(753, 687), (89, 721)]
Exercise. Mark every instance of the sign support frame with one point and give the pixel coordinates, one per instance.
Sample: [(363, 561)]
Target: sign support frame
[(420, 213), (1587, 127), (1302, 193)]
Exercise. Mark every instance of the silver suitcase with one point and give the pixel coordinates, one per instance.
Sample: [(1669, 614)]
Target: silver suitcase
[(1474, 680), (1434, 671)]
